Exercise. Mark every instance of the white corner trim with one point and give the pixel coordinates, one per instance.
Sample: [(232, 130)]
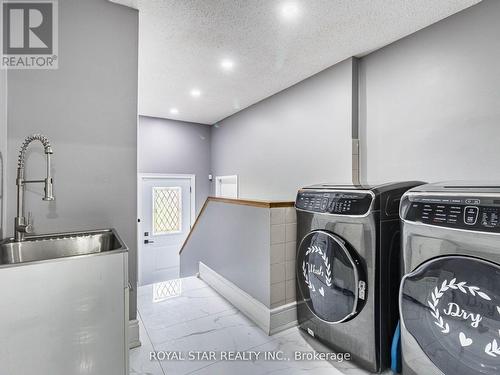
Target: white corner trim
[(133, 334), (270, 321)]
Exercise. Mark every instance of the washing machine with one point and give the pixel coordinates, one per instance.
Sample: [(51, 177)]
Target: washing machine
[(450, 295), (348, 267)]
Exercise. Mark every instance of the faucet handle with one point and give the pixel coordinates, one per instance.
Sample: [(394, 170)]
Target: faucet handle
[(29, 224)]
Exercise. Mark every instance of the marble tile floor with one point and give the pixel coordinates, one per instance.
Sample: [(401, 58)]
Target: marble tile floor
[(196, 318)]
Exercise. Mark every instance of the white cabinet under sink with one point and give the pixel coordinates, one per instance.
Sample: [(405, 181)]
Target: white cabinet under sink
[(65, 317)]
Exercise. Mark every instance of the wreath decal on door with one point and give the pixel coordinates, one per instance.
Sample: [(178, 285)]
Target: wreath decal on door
[(314, 249), (492, 348)]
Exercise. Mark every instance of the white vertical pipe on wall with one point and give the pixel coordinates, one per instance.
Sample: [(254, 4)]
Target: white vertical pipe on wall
[(3, 149), (356, 180)]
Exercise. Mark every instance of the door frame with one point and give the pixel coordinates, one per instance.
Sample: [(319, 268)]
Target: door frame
[(226, 177), (143, 176)]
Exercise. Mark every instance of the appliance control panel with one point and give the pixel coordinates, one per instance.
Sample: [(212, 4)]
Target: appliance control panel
[(337, 202), (479, 214)]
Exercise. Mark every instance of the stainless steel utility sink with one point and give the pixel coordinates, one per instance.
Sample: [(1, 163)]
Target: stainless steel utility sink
[(60, 245)]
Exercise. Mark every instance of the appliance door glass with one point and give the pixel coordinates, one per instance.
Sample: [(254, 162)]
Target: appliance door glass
[(451, 306), (330, 277)]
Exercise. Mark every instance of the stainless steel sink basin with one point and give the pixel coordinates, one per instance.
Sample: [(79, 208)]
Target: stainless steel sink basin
[(60, 245)]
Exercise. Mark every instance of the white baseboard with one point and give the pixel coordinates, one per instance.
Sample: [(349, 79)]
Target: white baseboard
[(283, 317), (133, 334), (270, 321)]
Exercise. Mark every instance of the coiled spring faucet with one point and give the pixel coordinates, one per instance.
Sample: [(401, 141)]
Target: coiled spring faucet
[(24, 225)]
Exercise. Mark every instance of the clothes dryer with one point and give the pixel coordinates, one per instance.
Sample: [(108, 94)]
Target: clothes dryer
[(450, 296)]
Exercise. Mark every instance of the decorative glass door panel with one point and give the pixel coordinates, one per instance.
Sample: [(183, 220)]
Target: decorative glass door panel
[(167, 210)]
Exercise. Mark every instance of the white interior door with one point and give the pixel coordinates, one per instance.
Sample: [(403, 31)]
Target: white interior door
[(165, 222)]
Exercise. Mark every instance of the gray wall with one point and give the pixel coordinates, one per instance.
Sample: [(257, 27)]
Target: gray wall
[(169, 146), (297, 137), (3, 147), (430, 104), (233, 240), (88, 109), (429, 110)]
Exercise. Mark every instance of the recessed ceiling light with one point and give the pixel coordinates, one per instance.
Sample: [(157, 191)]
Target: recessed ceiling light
[(227, 64), (174, 111), (195, 93), (289, 11)]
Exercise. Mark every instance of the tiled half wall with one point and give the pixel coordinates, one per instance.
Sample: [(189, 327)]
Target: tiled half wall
[(282, 254)]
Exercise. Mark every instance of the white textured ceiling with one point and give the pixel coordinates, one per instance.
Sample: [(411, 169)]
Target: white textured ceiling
[(182, 43)]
